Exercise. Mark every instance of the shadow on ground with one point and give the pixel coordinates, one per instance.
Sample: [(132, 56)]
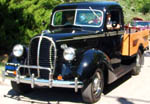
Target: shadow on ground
[(147, 54), (47, 96), (59, 95), (124, 101), (117, 83), (128, 100)]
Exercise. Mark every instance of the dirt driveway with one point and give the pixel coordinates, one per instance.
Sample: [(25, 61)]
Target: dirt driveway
[(127, 90)]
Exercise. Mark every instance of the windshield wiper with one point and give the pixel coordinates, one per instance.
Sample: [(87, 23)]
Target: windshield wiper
[(94, 12)]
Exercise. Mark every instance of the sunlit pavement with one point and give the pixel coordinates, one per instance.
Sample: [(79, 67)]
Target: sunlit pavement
[(128, 90), (135, 90)]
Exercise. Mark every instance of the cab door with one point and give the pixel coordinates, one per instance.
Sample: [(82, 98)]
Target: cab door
[(114, 31)]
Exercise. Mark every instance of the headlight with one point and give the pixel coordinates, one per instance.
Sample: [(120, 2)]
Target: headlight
[(69, 54), (18, 50)]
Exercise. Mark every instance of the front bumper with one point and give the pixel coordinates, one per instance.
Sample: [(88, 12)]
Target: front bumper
[(40, 82)]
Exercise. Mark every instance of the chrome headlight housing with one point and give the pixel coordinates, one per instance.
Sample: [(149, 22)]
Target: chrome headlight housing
[(69, 54), (18, 50)]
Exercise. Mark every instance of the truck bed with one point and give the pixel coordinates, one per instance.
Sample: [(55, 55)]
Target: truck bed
[(132, 40)]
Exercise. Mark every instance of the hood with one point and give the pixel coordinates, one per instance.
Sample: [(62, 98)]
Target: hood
[(63, 34)]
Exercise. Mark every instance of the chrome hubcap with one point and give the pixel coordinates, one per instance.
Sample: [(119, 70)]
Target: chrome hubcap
[(97, 84)]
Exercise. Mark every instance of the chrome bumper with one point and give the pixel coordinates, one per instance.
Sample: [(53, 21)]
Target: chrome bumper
[(42, 82)]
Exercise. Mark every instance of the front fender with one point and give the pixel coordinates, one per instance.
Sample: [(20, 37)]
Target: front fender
[(90, 61)]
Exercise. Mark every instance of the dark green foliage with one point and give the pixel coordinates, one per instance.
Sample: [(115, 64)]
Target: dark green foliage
[(22, 19), (135, 8), (145, 8)]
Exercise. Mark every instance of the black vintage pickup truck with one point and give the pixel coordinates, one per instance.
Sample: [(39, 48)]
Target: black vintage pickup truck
[(85, 48)]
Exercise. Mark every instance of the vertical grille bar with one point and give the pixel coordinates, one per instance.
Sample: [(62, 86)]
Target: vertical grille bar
[(38, 53)]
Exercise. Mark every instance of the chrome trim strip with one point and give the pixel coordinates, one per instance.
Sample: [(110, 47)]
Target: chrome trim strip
[(33, 67), (106, 34), (74, 23), (32, 81), (50, 79), (17, 75), (14, 64), (83, 37), (43, 82), (76, 84), (75, 16), (51, 40), (50, 56), (38, 53)]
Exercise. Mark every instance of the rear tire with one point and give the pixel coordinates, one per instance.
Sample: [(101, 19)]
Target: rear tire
[(91, 92), (21, 88), (139, 61)]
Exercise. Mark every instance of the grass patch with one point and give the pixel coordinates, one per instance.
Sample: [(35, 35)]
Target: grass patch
[(1, 68), (3, 60)]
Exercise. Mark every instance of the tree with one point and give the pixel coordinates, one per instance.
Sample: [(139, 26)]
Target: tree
[(22, 19)]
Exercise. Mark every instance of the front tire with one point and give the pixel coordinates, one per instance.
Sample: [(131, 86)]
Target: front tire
[(91, 92), (139, 60), (21, 88)]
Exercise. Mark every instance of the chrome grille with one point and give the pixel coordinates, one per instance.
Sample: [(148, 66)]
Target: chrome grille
[(33, 51), (47, 53), (44, 53)]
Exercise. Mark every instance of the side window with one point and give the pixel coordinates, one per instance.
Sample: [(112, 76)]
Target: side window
[(113, 20), (58, 18), (63, 18)]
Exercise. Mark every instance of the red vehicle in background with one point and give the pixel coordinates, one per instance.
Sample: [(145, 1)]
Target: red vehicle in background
[(139, 24)]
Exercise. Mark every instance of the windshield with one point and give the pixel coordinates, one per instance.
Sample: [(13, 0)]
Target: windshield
[(79, 17)]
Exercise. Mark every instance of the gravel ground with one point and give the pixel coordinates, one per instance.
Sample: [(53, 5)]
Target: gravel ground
[(127, 90)]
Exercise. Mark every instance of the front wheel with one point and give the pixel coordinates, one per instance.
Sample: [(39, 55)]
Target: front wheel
[(21, 88), (91, 92), (139, 60)]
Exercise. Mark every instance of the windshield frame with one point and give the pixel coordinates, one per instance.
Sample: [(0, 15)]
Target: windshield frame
[(75, 17)]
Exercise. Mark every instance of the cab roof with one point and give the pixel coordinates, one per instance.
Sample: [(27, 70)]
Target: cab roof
[(86, 5)]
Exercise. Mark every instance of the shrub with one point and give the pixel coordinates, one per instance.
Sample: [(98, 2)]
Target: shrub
[(22, 19)]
